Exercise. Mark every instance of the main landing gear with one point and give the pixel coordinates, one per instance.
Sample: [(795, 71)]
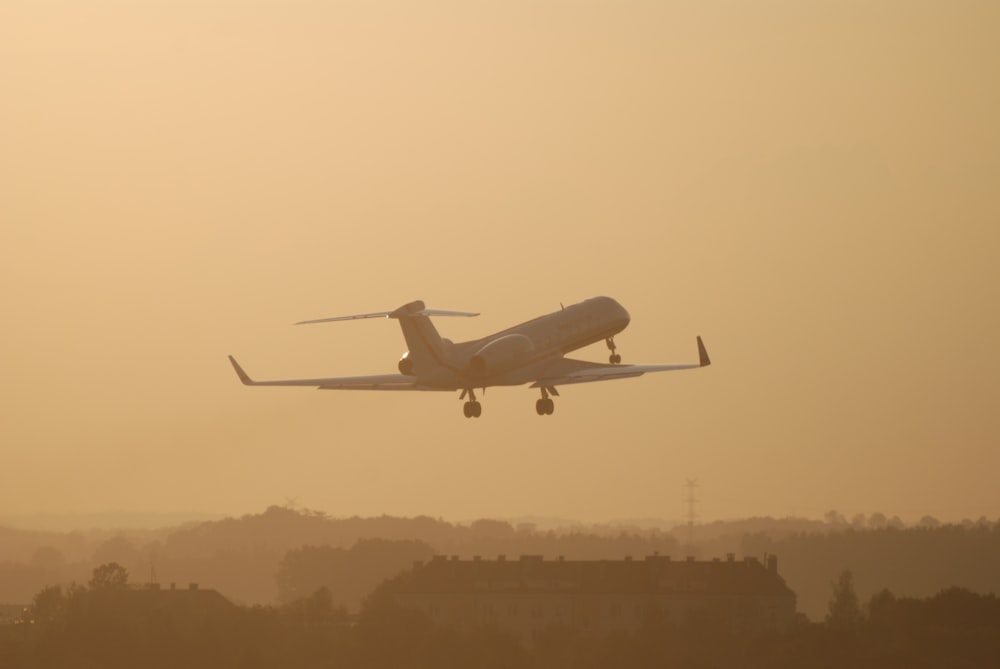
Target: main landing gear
[(614, 358), (545, 406), (472, 408)]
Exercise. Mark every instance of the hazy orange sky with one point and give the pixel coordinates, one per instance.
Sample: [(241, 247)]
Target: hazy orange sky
[(814, 187)]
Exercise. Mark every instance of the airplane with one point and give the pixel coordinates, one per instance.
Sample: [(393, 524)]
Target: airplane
[(532, 352)]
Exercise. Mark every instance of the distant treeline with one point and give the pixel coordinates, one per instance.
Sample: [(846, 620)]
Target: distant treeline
[(277, 555), (109, 625), (916, 562), (242, 557)]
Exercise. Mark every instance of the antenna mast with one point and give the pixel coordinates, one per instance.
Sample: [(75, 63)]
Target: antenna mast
[(689, 501)]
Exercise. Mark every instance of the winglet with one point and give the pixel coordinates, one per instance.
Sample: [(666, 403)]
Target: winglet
[(244, 378), (702, 354)]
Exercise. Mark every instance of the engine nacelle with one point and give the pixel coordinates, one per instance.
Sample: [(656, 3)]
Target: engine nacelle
[(406, 365), (501, 354)]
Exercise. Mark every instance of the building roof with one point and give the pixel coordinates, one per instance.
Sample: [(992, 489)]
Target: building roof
[(192, 604), (655, 574)]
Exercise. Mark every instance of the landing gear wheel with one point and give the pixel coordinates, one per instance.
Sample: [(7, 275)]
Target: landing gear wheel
[(614, 358), (472, 408), (545, 406)]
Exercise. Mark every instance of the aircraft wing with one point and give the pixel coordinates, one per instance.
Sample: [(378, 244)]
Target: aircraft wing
[(568, 371), (373, 382)]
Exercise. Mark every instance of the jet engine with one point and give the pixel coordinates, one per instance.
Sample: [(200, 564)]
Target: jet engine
[(406, 365), (501, 354)]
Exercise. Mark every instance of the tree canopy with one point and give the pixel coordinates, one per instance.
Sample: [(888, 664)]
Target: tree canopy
[(109, 575)]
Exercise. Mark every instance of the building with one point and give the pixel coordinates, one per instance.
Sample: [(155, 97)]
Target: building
[(525, 596), (181, 609)]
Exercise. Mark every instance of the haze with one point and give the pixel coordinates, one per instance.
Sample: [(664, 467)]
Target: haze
[(812, 187)]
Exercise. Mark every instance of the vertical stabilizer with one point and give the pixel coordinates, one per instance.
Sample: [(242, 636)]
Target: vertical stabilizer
[(426, 349)]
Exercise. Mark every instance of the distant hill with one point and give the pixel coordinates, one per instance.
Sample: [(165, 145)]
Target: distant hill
[(241, 557), (107, 521)]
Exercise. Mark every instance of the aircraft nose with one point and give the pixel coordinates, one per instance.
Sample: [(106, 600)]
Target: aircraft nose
[(619, 315), (623, 315)]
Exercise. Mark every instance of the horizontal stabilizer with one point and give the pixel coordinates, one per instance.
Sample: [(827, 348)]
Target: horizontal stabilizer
[(377, 314), (412, 309), (445, 312)]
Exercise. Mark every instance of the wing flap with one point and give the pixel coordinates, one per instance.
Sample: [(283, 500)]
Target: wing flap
[(372, 382), (568, 371), (603, 373), (376, 382)]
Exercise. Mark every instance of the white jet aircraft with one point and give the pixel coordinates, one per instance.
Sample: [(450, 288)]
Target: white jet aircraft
[(531, 352)]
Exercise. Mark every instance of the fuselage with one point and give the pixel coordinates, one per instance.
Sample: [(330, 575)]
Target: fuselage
[(513, 356)]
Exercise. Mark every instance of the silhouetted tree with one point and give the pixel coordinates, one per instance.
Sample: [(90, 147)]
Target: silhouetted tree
[(845, 611), (348, 575), (48, 605), (834, 517), (316, 609), (108, 576), (492, 528)]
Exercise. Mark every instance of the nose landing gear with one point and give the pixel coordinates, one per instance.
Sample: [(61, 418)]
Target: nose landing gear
[(614, 358)]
